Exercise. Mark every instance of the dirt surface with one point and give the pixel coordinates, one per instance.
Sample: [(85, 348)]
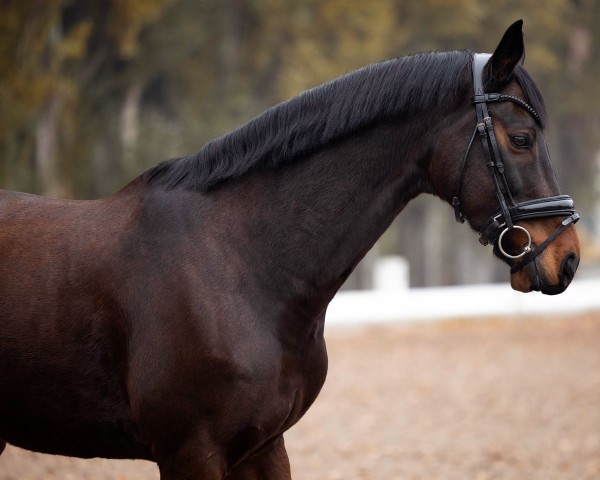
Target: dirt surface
[(497, 399)]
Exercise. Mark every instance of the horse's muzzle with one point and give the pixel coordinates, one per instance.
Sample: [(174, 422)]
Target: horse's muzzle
[(567, 270), (565, 276)]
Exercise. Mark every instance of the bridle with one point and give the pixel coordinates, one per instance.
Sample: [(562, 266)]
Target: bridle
[(503, 221)]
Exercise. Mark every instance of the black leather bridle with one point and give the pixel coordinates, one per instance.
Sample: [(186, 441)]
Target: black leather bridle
[(503, 221)]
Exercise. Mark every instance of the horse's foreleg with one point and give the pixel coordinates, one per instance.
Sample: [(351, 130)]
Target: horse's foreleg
[(271, 464), (189, 464)]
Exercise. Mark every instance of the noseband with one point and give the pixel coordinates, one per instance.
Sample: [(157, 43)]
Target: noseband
[(503, 221)]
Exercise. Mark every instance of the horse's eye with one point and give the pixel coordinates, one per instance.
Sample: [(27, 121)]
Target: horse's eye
[(521, 141)]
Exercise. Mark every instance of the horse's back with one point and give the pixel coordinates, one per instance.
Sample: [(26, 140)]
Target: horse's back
[(47, 247), (62, 341)]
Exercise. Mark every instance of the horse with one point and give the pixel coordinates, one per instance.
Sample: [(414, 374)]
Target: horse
[(180, 320)]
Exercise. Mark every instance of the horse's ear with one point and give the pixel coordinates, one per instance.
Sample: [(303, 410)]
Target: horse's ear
[(509, 53)]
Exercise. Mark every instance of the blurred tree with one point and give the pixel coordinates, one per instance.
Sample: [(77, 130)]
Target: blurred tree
[(34, 50), (94, 92), (52, 50)]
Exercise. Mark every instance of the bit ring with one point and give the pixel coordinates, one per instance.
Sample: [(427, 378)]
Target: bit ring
[(526, 249)]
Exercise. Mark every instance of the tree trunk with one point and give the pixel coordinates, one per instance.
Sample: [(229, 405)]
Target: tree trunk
[(46, 147), (129, 121)]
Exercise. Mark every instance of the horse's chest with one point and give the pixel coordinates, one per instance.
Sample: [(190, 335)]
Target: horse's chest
[(276, 402), (305, 377)]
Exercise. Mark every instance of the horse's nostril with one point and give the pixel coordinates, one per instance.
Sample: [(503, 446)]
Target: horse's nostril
[(569, 267)]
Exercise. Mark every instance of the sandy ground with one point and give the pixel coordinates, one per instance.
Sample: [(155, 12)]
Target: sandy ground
[(499, 399)]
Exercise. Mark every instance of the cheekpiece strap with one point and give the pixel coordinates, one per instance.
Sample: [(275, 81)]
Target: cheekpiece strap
[(485, 128)]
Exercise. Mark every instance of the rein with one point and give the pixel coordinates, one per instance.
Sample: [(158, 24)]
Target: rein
[(503, 221)]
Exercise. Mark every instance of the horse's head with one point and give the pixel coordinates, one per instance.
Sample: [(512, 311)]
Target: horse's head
[(498, 174)]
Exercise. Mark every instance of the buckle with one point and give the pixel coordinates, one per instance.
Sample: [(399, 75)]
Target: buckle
[(487, 97), (489, 233), (460, 218)]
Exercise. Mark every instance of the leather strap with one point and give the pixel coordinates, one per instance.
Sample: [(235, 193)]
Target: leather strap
[(528, 257), (458, 215), (540, 208), (485, 128), (500, 97)]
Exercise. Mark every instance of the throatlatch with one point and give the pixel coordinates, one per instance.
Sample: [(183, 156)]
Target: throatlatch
[(503, 221)]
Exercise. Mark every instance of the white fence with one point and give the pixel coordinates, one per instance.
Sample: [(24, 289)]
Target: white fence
[(478, 301)]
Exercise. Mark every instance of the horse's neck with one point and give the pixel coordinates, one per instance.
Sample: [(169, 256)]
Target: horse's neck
[(311, 222)]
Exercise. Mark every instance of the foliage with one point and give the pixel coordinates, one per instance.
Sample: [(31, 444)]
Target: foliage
[(93, 92)]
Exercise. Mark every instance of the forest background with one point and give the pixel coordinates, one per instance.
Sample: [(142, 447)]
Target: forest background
[(94, 92)]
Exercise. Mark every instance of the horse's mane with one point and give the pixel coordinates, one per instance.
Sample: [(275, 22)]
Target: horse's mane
[(326, 114)]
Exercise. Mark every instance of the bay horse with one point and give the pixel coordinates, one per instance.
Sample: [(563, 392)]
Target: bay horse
[(181, 319)]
